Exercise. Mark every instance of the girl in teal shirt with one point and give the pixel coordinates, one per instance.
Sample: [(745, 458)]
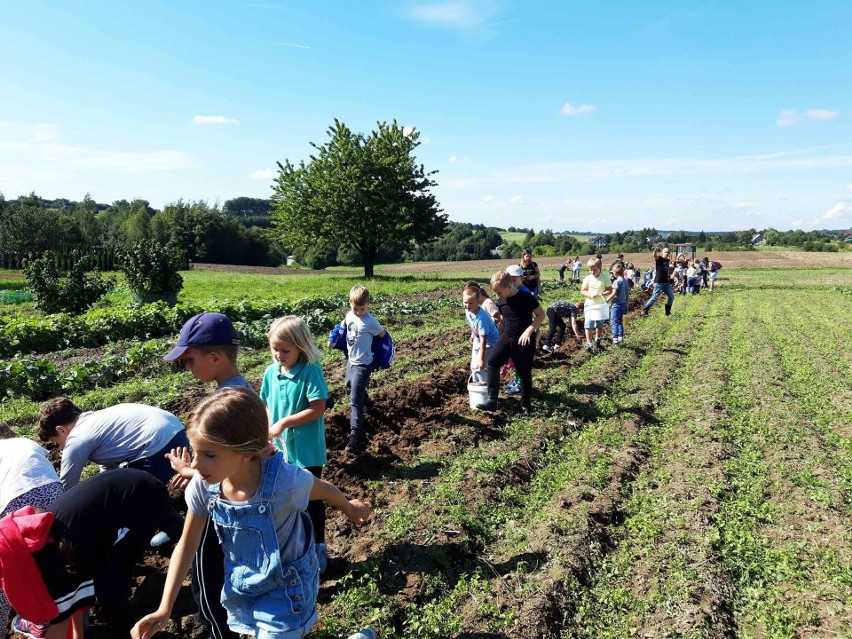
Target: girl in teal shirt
[(295, 395)]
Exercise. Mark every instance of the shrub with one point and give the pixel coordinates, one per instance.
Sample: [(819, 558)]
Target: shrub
[(151, 270), (73, 294)]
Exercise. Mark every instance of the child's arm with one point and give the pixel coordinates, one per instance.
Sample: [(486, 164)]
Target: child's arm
[(178, 567), (357, 511), (314, 411)]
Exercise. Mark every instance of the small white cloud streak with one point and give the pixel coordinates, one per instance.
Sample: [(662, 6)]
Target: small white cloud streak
[(788, 117), (849, 188), (452, 159), (407, 130), (516, 199), (821, 114), (571, 110), (214, 119), (262, 174), (488, 199), (459, 14)]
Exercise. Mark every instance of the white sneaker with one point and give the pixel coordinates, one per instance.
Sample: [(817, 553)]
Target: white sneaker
[(547, 348)]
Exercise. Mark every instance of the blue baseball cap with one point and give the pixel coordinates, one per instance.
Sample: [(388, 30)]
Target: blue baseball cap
[(205, 329)]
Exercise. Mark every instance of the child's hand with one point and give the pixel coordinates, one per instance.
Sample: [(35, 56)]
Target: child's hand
[(358, 512), (524, 339), (277, 428), (149, 625), (180, 459)]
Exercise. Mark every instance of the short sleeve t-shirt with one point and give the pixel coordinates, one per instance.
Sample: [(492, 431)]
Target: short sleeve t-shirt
[(482, 325), (288, 393), (622, 288), (360, 332), (661, 273), (237, 381), (517, 313), (563, 309), (292, 490), (23, 466), (596, 285)]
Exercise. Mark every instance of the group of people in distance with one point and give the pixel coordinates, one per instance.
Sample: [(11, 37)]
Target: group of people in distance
[(505, 331), (251, 466)]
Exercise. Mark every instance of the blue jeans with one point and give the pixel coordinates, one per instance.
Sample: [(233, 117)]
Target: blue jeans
[(157, 464), (358, 378), (660, 288), (616, 317)]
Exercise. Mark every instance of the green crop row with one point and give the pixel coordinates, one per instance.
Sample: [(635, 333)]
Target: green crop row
[(20, 334)]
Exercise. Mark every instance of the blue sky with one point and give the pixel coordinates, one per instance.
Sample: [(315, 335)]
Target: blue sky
[(594, 116)]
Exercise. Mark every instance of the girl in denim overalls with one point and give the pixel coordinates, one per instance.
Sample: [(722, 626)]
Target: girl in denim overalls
[(258, 507)]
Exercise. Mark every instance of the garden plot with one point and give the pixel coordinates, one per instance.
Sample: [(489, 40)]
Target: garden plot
[(694, 483)]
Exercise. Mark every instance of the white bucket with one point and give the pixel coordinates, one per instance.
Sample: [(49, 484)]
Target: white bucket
[(596, 311), (478, 392)]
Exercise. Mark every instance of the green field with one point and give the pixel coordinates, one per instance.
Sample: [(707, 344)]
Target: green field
[(694, 483)]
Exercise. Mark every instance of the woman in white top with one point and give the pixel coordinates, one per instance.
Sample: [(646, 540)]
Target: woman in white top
[(27, 478)]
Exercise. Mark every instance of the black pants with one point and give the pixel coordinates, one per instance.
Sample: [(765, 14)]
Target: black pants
[(556, 329), (562, 270), (208, 579), (521, 356), (316, 509)]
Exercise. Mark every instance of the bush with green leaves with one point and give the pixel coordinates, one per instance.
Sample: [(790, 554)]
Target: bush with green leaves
[(74, 293), (151, 269)]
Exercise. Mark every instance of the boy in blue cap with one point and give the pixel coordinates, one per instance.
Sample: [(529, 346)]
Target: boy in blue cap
[(208, 346)]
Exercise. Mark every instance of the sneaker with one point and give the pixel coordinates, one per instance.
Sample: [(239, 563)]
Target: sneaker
[(513, 388), (547, 348), (598, 345), (322, 557), (590, 348), (28, 628), (160, 539), (354, 445)]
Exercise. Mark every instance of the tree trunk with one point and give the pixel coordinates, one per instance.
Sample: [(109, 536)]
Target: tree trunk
[(368, 259)]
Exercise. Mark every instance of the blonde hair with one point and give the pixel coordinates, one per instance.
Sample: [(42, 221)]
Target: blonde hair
[(293, 329), (501, 280), (234, 418), (593, 261), (359, 295)]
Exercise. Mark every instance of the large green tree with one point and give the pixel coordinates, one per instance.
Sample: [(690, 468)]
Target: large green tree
[(366, 192)]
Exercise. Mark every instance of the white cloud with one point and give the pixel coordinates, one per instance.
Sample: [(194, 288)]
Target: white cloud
[(262, 174), (452, 159), (488, 199), (570, 110), (788, 117), (839, 210), (740, 205), (464, 14), (214, 119), (797, 223), (849, 188), (516, 199), (821, 114), (407, 130)]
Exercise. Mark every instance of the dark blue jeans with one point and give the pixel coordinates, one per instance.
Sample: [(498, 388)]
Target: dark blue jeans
[(660, 288), (357, 379), (616, 318), (157, 464)]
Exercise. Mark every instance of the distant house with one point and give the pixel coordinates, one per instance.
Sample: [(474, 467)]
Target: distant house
[(599, 242), (758, 240), (847, 237)]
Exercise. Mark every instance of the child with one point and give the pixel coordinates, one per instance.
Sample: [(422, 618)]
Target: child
[(83, 549), (618, 297), (595, 286), (577, 267), (207, 346), (556, 315), (361, 328), (486, 302), (132, 435), (522, 316), (691, 277), (295, 394), (530, 272), (483, 331), (258, 506), (516, 272)]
